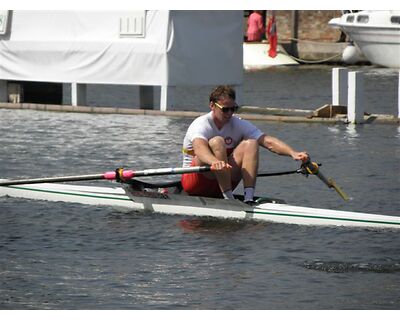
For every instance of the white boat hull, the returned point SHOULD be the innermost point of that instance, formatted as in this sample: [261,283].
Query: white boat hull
[378,39]
[198,206]
[255,56]
[381,47]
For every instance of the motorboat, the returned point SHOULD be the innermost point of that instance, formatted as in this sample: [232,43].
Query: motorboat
[375,33]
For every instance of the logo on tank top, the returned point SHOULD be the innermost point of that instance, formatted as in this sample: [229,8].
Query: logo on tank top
[228,141]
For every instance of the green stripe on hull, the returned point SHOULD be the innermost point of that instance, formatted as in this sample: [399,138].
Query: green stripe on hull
[323,217]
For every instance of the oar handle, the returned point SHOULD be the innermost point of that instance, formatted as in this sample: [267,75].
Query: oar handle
[167,171]
[124,175]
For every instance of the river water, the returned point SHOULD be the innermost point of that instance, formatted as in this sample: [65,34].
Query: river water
[71,256]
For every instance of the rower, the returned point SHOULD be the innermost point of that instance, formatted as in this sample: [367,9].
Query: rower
[230,145]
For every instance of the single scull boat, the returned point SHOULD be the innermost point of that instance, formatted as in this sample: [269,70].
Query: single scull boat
[141,198]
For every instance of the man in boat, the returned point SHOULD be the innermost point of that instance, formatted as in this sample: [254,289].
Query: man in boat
[228,144]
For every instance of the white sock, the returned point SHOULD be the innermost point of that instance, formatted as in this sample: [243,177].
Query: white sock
[228,194]
[248,194]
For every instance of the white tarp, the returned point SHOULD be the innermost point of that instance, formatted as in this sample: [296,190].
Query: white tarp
[174,47]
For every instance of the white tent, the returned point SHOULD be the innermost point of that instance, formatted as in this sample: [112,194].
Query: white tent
[145,48]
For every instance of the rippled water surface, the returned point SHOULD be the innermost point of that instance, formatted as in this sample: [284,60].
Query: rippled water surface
[71,256]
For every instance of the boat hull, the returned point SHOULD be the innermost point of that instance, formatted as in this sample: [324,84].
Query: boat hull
[198,206]
[255,57]
[378,39]
[381,47]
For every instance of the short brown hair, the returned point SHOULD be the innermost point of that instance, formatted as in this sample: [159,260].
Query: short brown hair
[222,91]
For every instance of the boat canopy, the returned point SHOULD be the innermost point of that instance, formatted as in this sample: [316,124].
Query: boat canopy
[145,47]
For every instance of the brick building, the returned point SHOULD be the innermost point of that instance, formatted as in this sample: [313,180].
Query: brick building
[306,33]
[311,24]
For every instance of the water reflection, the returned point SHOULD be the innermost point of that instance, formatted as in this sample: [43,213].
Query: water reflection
[334,130]
[351,133]
[343,267]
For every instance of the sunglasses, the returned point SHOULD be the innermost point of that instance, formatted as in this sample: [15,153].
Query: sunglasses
[227,109]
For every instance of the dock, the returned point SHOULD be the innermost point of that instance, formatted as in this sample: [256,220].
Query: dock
[321,115]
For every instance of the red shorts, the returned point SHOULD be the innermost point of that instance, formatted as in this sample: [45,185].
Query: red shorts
[197,184]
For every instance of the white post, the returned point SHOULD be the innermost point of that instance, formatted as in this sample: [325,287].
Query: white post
[146,97]
[3,91]
[339,86]
[167,97]
[355,99]
[78,94]
[398,115]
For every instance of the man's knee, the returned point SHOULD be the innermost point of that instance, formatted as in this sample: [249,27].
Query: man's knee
[247,149]
[250,144]
[216,142]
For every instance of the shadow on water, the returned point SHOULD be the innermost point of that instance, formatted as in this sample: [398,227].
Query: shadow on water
[214,225]
[346,267]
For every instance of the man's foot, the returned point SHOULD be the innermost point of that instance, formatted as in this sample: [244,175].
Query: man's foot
[251,202]
[228,195]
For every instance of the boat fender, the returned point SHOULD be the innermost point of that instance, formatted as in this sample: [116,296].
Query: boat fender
[350,54]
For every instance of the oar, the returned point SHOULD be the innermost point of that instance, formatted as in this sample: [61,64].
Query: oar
[126,175]
[281,173]
[119,175]
[313,168]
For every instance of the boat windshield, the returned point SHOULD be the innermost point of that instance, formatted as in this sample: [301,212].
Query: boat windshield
[395,19]
[363,19]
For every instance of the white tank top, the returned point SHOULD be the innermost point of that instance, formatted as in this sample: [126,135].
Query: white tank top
[204,127]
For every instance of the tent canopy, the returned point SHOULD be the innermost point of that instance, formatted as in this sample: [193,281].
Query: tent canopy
[123,47]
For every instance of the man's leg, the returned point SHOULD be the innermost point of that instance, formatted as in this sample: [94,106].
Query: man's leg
[244,162]
[217,146]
